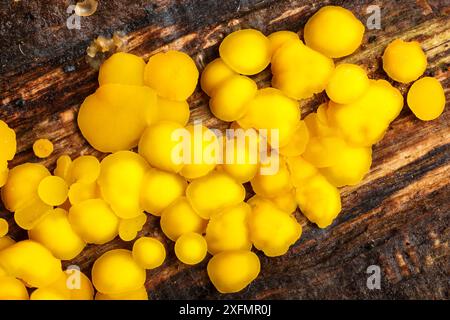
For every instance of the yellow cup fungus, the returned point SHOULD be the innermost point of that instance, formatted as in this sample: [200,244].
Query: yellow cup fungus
[334,31]
[232,271]
[214,74]
[213,193]
[246,51]
[30,262]
[279,38]
[122,68]
[116,272]
[347,84]
[62,169]
[173,74]
[149,253]
[53,190]
[94,221]
[55,232]
[299,71]
[12,289]
[129,228]
[229,100]
[426,98]
[228,230]
[160,189]
[272,230]
[404,61]
[115,116]
[191,248]
[180,218]
[42,148]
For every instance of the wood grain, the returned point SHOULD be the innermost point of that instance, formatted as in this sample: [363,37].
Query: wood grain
[397,218]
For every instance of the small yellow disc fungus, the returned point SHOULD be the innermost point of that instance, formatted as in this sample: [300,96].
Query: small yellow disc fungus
[71,285]
[116,272]
[272,230]
[334,31]
[201,153]
[426,98]
[364,122]
[43,148]
[404,61]
[241,158]
[347,83]
[149,253]
[122,68]
[279,38]
[271,109]
[299,71]
[5,242]
[4,227]
[84,169]
[232,271]
[121,177]
[115,116]
[180,218]
[176,111]
[298,142]
[12,289]
[28,216]
[246,51]
[53,190]
[139,294]
[349,166]
[63,166]
[129,228]
[31,262]
[172,74]
[8,143]
[56,234]
[214,74]
[158,145]
[319,200]
[80,192]
[228,230]
[160,189]
[94,221]
[191,248]
[272,184]
[22,185]
[229,100]
[213,193]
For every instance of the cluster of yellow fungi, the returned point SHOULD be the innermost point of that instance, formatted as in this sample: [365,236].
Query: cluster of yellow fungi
[133,116]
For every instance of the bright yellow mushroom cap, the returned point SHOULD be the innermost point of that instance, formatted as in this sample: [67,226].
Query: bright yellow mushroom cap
[334,31]
[158,145]
[191,248]
[12,289]
[426,98]
[214,74]
[149,253]
[94,221]
[404,61]
[53,190]
[279,38]
[232,271]
[229,100]
[116,272]
[213,193]
[347,83]
[115,116]
[122,68]
[228,230]
[129,228]
[43,148]
[272,230]
[55,232]
[160,189]
[8,143]
[172,74]
[246,51]
[180,218]
[31,262]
